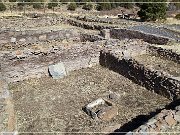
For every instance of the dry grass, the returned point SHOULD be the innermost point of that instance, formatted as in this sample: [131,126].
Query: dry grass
[56,105]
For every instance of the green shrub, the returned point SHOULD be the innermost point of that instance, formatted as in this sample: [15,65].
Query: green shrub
[104,6]
[153,11]
[38,5]
[72,6]
[52,4]
[2,6]
[88,6]
[177,16]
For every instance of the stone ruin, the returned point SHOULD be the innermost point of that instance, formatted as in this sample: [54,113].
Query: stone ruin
[58,52]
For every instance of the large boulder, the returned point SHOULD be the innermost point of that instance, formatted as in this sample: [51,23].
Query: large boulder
[57,70]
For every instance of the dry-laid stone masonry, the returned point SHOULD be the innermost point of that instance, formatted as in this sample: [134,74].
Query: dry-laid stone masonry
[131,34]
[33,62]
[162,122]
[33,36]
[164,53]
[25,22]
[126,62]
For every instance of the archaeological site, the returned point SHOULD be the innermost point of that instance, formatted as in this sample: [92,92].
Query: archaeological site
[88,72]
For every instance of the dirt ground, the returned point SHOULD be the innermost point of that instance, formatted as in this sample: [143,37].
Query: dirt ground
[159,64]
[47,105]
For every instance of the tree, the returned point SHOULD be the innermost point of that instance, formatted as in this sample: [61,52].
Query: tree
[177,4]
[153,11]
[87,6]
[72,6]
[52,4]
[2,6]
[37,5]
[104,5]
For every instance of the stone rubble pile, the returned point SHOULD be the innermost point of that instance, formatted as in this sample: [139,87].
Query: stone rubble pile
[160,123]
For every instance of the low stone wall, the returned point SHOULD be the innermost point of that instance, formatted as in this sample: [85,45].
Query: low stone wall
[165,53]
[23,22]
[162,122]
[150,78]
[90,25]
[32,36]
[120,33]
[90,37]
[127,33]
[22,65]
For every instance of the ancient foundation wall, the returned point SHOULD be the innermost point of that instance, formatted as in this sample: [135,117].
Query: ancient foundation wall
[89,25]
[90,37]
[35,63]
[130,34]
[165,53]
[32,36]
[160,122]
[150,78]
[11,23]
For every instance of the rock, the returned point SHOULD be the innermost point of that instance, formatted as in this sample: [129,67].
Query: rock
[152,130]
[42,37]
[108,113]
[13,40]
[178,108]
[151,121]
[160,115]
[170,121]
[177,118]
[57,71]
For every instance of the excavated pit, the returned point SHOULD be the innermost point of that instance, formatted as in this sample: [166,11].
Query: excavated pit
[44,105]
[47,105]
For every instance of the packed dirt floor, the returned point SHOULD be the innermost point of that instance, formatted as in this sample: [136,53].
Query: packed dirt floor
[48,105]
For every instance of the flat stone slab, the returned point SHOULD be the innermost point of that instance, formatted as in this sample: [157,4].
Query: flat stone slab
[101,108]
[57,71]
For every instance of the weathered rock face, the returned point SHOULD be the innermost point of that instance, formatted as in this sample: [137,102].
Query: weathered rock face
[57,71]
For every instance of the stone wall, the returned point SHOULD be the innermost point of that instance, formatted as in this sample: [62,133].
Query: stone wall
[7,115]
[150,78]
[165,53]
[162,122]
[90,37]
[120,33]
[19,23]
[90,25]
[32,36]
[22,65]
[127,33]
